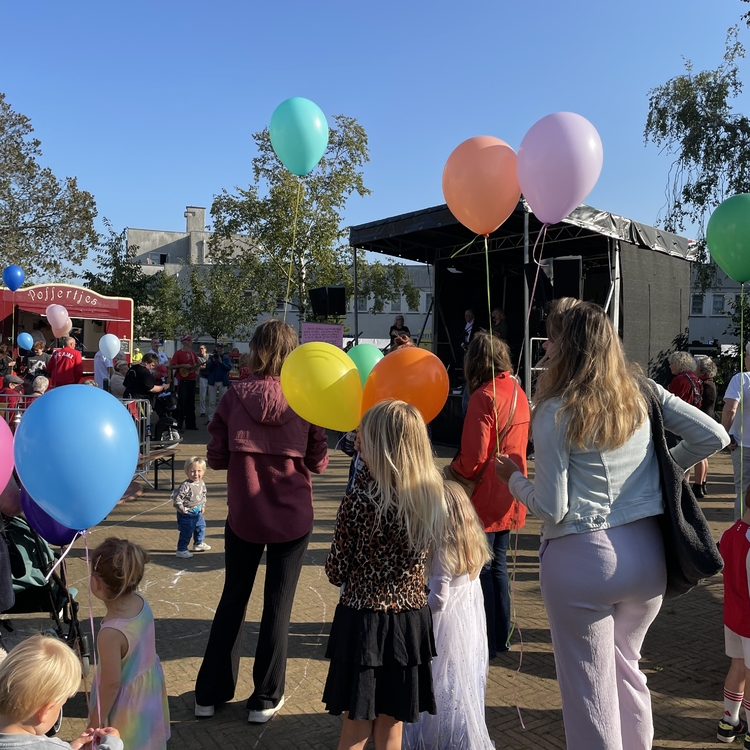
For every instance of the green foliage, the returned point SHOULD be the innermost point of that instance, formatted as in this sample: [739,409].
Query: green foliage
[46,225]
[118,274]
[220,300]
[691,116]
[280,212]
[167,300]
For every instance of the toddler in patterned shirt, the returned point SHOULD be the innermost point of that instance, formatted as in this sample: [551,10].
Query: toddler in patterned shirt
[189,500]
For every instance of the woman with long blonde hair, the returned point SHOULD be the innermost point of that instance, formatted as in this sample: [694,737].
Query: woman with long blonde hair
[597,489]
[394,513]
[459,671]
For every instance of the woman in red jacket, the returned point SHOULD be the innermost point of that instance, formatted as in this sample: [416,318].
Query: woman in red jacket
[490,411]
[268,452]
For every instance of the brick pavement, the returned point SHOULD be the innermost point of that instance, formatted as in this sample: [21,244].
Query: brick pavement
[683,655]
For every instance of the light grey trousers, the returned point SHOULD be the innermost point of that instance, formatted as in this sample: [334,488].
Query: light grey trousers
[602,590]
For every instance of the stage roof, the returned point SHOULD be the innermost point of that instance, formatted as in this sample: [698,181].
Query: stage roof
[433,233]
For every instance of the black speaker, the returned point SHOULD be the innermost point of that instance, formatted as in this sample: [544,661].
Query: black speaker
[328,300]
[543,290]
[567,277]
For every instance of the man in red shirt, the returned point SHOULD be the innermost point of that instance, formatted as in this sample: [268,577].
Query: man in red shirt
[66,365]
[186,363]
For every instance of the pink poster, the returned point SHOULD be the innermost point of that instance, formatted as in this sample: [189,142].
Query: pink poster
[330,334]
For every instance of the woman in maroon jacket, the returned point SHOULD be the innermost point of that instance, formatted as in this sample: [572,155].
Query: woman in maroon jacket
[268,452]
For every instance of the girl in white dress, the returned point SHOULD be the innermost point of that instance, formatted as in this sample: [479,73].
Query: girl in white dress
[459,672]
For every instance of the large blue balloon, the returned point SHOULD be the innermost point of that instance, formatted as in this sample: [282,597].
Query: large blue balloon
[299,134]
[44,525]
[13,277]
[76,449]
[25,341]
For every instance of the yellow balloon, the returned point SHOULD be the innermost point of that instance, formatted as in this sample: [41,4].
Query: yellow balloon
[323,386]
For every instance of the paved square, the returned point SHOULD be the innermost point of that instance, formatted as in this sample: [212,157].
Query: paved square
[683,655]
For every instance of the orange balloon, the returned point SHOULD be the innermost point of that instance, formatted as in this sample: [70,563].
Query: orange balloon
[412,375]
[480,183]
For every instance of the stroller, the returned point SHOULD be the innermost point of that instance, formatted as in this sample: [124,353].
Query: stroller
[165,431]
[30,559]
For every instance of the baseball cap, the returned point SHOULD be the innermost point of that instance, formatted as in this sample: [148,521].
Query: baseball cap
[8,379]
[186,337]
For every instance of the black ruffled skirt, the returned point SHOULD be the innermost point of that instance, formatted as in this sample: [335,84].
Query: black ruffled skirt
[380,664]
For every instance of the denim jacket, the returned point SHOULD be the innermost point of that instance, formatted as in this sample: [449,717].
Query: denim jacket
[577,490]
[218,370]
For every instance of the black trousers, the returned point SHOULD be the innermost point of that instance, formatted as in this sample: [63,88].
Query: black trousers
[186,404]
[217,677]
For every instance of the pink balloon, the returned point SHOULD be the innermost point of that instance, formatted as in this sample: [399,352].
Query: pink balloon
[559,162]
[57,315]
[6,453]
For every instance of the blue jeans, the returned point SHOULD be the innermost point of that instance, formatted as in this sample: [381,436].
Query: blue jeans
[190,525]
[495,587]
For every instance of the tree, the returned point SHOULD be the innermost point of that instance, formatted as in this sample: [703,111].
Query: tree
[157,299]
[219,300]
[691,116]
[46,225]
[296,224]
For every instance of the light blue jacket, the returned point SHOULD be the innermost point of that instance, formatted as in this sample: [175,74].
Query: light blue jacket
[578,490]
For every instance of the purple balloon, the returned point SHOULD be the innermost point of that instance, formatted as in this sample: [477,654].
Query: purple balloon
[559,162]
[44,525]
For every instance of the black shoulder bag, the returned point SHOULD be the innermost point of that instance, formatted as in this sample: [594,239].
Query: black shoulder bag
[689,547]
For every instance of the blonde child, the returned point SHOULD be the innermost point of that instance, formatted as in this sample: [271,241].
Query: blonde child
[189,500]
[36,678]
[459,672]
[381,641]
[130,678]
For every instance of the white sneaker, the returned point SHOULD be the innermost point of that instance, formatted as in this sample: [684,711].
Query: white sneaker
[204,712]
[183,553]
[202,547]
[265,714]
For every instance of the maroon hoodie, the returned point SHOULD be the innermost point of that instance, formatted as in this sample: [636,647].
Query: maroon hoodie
[268,452]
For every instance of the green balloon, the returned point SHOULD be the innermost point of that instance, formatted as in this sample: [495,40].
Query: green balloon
[365,356]
[728,237]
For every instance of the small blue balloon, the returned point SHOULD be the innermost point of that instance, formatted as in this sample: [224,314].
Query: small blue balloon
[25,341]
[299,134]
[13,277]
[76,449]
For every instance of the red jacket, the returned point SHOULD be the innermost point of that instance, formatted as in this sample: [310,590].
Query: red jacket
[688,387]
[65,367]
[495,506]
[268,452]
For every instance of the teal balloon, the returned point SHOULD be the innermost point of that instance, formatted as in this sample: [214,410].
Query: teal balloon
[728,237]
[365,356]
[299,134]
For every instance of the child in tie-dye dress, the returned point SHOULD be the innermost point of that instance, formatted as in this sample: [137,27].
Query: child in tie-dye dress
[130,681]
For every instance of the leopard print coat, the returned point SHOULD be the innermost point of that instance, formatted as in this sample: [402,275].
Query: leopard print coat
[371,558]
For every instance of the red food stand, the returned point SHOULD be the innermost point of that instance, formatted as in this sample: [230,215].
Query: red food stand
[92,316]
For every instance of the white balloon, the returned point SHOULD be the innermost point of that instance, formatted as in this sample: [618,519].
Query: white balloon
[109,345]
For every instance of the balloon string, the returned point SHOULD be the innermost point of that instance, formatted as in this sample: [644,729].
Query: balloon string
[291,254]
[492,345]
[95,684]
[62,557]
[514,622]
[542,234]
[468,244]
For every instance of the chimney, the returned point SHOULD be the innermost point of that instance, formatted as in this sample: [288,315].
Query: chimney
[196,219]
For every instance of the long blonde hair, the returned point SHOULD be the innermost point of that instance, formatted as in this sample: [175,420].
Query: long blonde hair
[464,548]
[588,372]
[398,453]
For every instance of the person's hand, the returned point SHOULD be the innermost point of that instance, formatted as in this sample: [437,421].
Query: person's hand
[504,468]
[107,730]
[203,508]
[732,443]
[84,741]
[357,442]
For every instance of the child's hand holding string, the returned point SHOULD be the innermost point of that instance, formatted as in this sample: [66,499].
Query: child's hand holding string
[505,467]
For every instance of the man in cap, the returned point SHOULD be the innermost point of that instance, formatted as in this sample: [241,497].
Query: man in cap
[187,364]
[10,396]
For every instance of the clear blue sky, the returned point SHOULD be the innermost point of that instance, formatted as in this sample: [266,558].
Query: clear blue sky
[152,104]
